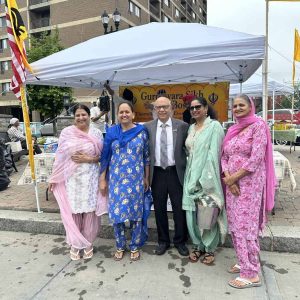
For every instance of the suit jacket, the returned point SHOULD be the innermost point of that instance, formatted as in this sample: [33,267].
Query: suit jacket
[180,130]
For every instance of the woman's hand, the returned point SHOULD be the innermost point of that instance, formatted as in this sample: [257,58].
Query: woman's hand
[80,157]
[229,180]
[146,184]
[51,186]
[234,189]
[103,187]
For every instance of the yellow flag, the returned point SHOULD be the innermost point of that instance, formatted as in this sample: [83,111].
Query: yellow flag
[296,52]
[19,29]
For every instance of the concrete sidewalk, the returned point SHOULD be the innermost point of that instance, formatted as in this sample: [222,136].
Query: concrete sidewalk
[17,206]
[37,266]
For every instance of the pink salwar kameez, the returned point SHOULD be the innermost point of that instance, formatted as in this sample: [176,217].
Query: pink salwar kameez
[76,186]
[246,212]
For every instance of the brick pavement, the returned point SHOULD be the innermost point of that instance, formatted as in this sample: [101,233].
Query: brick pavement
[22,197]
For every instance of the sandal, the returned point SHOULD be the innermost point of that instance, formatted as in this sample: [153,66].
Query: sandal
[208,258]
[74,255]
[234,269]
[135,255]
[119,254]
[195,255]
[246,283]
[88,254]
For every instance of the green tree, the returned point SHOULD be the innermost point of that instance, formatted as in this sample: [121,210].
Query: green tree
[48,100]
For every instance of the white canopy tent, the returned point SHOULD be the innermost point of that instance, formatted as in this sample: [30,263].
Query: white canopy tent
[154,53]
[255,89]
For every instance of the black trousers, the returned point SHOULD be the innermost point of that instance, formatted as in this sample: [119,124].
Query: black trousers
[36,148]
[164,183]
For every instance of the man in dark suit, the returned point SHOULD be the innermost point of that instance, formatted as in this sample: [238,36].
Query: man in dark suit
[168,160]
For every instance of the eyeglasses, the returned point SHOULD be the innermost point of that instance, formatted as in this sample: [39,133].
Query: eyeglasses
[164,107]
[196,107]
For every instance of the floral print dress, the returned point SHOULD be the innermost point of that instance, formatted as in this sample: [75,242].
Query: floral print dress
[126,179]
[246,151]
[83,186]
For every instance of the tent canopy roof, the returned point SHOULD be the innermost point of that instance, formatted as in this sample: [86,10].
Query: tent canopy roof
[255,89]
[154,53]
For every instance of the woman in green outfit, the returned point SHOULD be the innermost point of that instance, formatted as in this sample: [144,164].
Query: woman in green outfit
[202,181]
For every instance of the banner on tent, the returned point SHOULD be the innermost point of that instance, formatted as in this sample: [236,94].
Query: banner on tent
[216,94]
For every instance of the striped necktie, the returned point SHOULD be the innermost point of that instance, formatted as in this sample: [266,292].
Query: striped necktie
[163,146]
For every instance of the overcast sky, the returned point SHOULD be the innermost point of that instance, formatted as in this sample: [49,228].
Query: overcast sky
[249,16]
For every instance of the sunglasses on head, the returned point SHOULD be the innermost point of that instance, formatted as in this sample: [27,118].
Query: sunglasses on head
[196,107]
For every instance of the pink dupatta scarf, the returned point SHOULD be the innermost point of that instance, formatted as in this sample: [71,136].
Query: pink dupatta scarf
[269,191]
[73,140]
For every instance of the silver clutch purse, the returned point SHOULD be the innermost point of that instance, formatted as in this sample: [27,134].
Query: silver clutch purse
[206,216]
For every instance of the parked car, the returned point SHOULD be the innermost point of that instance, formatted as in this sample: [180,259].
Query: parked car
[283,115]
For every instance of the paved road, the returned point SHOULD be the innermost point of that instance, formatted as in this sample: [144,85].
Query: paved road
[38,267]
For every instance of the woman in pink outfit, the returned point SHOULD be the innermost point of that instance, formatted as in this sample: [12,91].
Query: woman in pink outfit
[247,164]
[74,182]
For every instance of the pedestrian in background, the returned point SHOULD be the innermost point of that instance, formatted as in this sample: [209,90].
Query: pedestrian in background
[16,135]
[249,176]
[125,177]
[202,181]
[168,159]
[98,117]
[75,182]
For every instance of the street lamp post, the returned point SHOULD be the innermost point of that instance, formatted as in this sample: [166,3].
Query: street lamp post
[116,16]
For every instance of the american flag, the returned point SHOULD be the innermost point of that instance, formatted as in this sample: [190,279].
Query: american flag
[16,32]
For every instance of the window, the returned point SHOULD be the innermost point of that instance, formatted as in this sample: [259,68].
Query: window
[176,13]
[2,22]
[3,44]
[167,2]
[4,66]
[131,7]
[137,11]
[200,10]
[194,1]
[134,9]
[5,88]
[193,15]
[166,19]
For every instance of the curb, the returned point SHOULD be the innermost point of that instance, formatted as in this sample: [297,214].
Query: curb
[275,238]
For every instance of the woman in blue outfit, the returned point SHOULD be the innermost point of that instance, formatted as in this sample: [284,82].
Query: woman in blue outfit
[125,174]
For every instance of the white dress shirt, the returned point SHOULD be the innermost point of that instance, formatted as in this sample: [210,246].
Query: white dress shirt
[171,160]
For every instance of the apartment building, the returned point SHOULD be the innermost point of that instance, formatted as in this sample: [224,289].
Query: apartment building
[80,20]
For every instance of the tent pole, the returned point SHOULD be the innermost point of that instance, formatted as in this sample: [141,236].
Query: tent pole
[241,87]
[29,140]
[265,68]
[37,197]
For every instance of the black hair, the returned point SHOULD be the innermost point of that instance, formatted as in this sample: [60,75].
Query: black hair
[81,106]
[244,97]
[210,111]
[126,102]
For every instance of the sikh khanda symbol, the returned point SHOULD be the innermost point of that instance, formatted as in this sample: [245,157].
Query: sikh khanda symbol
[213,98]
[18,24]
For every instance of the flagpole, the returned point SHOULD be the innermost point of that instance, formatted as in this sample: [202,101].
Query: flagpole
[265,68]
[29,143]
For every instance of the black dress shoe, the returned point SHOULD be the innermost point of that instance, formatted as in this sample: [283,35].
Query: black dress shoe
[182,250]
[161,249]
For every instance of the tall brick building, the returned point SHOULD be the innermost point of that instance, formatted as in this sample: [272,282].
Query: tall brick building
[78,21]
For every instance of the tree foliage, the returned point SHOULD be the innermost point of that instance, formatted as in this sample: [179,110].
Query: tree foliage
[48,100]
